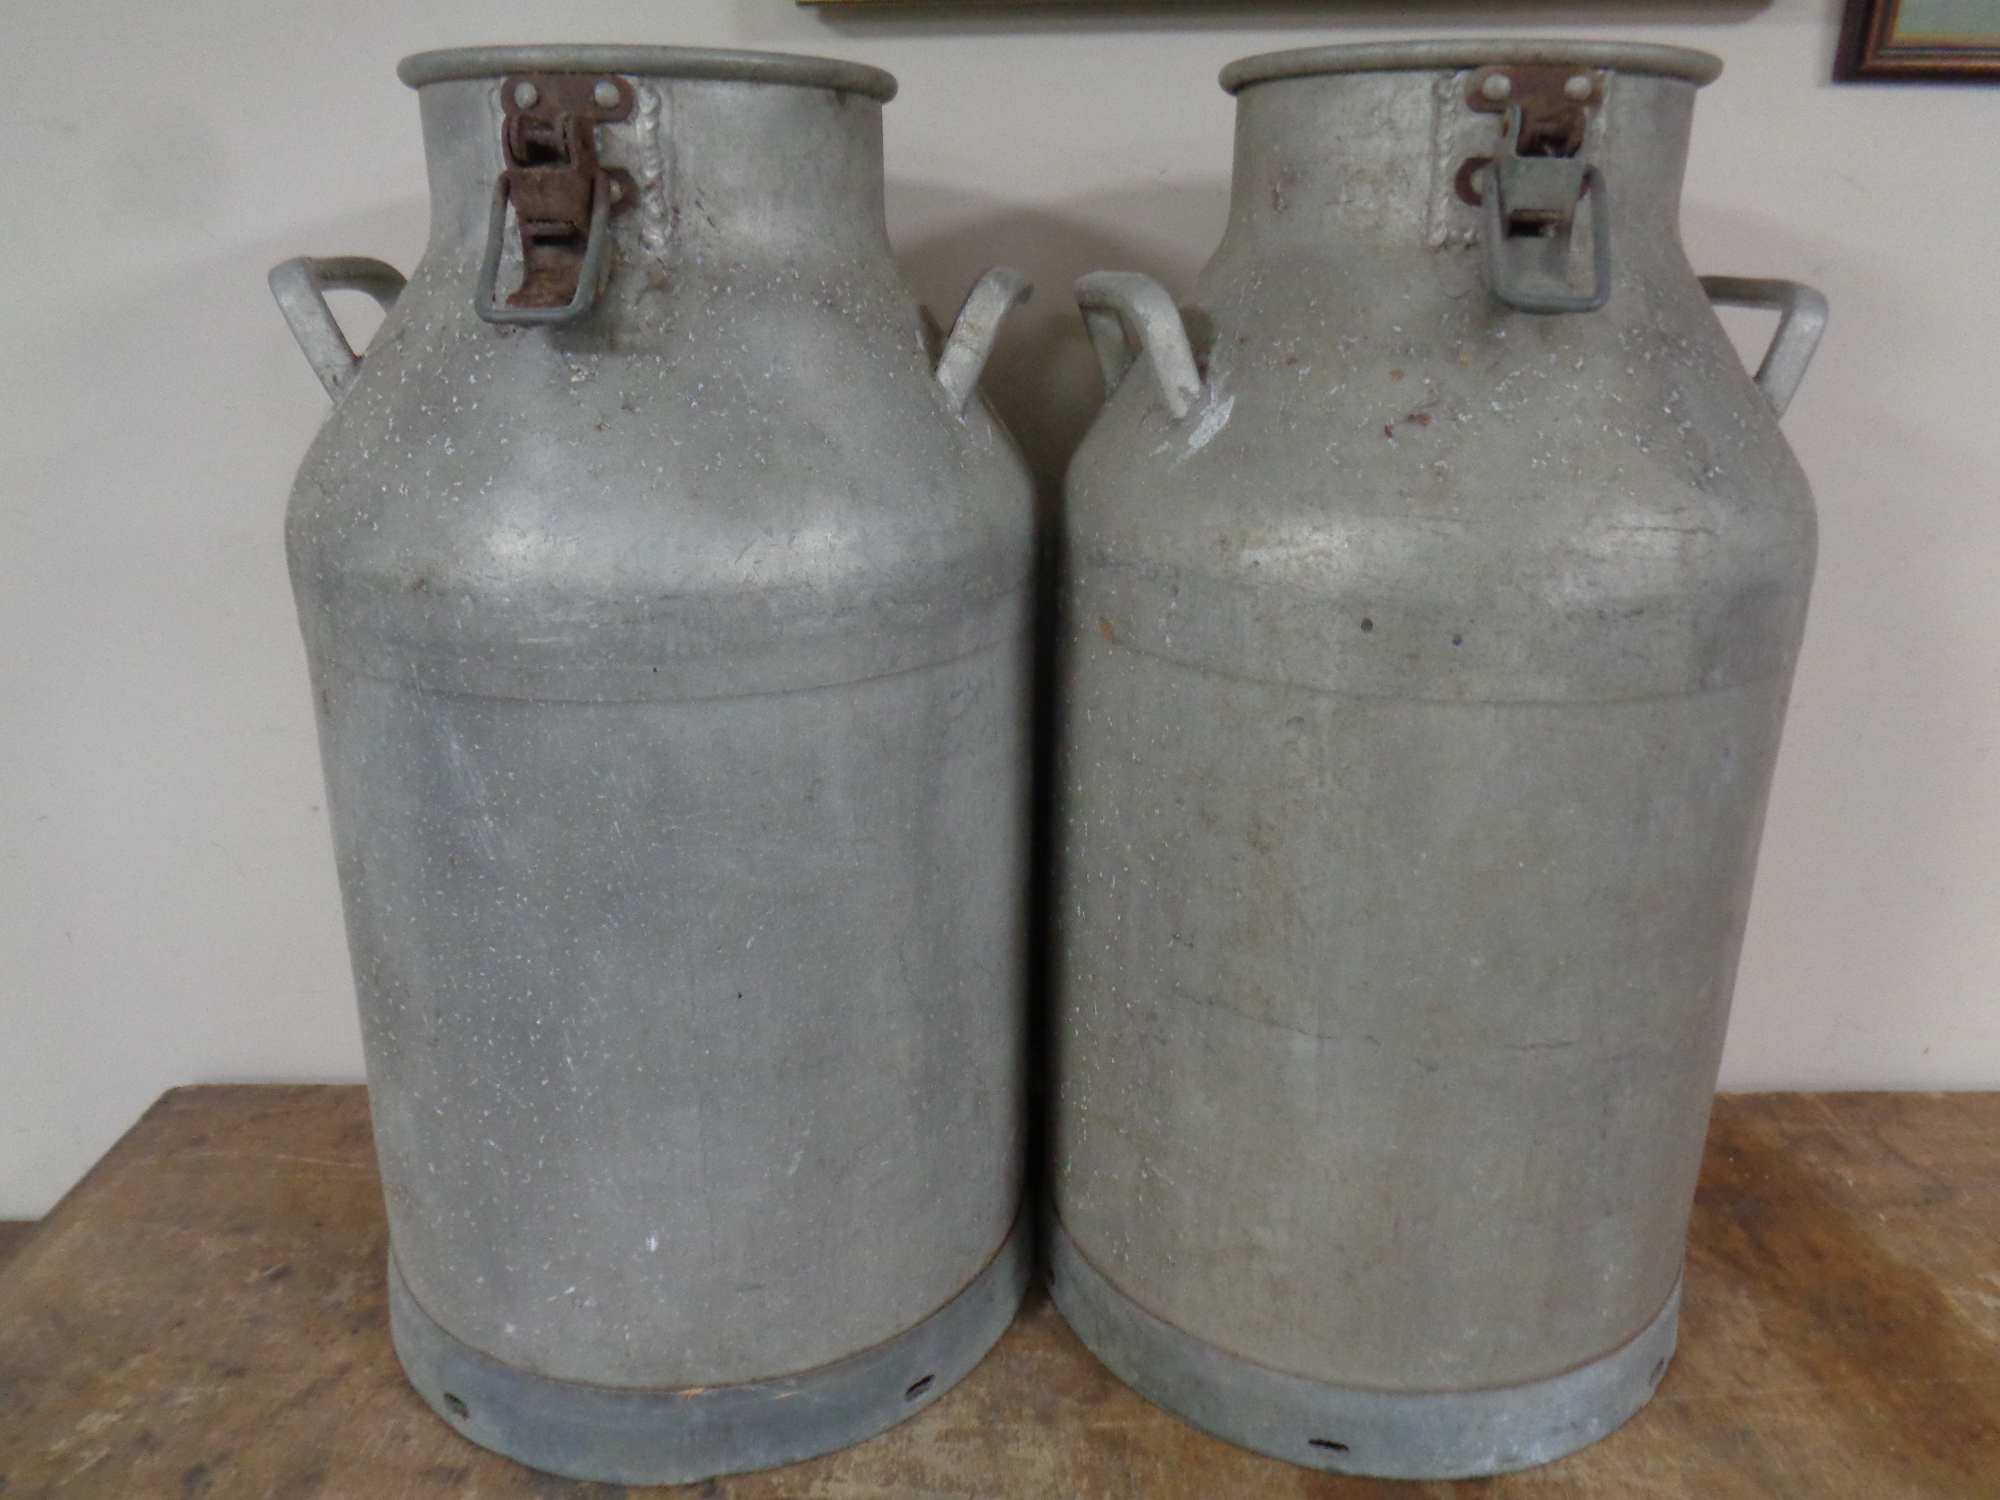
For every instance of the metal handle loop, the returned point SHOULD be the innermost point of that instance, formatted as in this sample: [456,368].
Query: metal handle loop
[1801,320]
[975,329]
[590,276]
[1110,300]
[1522,298]
[300,286]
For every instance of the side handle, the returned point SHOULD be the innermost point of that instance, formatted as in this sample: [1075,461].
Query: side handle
[986,307]
[1801,320]
[1117,304]
[301,286]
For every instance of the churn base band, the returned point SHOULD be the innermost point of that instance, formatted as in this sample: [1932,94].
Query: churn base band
[1348,1429]
[626,1436]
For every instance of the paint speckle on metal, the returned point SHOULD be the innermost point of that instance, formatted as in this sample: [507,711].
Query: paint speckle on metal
[1214,417]
[671,673]
[1406,822]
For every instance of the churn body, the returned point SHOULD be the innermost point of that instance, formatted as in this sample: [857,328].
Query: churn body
[1423,665]
[670,660]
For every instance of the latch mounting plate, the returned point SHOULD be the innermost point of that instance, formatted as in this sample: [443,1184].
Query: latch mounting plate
[549,138]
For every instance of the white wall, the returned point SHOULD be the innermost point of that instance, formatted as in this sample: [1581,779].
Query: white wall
[167,904]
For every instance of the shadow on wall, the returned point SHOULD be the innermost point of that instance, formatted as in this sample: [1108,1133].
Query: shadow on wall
[1043,379]
[1858,840]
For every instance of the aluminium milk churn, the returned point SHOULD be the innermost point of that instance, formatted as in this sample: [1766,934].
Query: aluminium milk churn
[666,591]
[1432,590]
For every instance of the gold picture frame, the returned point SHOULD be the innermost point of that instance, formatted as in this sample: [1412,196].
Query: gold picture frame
[1919,41]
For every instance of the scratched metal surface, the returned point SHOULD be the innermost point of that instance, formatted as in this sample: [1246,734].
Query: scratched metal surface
[204,1316]
[670,669]
[1420,686]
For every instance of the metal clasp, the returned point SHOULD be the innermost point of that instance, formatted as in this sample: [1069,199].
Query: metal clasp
[563,197]
[1531,190]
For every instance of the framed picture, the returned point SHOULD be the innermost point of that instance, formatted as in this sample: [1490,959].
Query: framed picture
[1919,41]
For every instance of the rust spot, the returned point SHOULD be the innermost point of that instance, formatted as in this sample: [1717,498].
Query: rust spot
[1105,626]
[1552,123]
[1463,185]
[553,177]
[1389,430]
[1421,418]
[1395,374]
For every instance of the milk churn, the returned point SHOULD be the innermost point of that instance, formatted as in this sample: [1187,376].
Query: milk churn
[666,590]
[1432,589]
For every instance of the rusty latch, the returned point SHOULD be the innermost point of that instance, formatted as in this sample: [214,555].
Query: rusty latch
[1554,102]
[562,195]
[1555,105]
[1531,190]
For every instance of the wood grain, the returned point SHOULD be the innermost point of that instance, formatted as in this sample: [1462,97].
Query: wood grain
[13,1235]
[203,1316]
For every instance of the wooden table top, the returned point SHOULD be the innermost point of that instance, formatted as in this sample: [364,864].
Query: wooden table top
[204,1316]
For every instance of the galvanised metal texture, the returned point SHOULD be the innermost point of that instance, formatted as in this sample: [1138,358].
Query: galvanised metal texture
[1395,1434]
[1423,667]
[674,1436]
[670,664]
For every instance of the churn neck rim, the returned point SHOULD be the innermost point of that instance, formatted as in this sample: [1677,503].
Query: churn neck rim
[653,62]
[1697,68]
